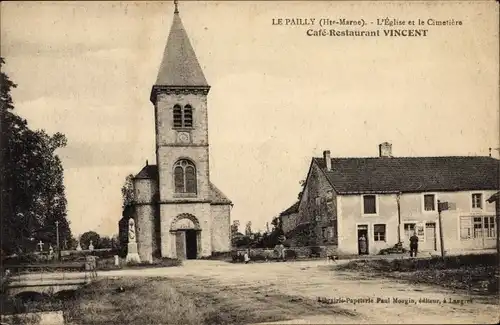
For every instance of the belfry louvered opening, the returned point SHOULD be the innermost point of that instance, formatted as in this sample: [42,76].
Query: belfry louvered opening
[183,116]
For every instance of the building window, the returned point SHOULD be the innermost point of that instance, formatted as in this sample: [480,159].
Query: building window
[409,229]
[477,227]
[184,177]
[489,227]
[379,232]
[369,204]
[429,202]
[477,201]
[183,117]
[465,227]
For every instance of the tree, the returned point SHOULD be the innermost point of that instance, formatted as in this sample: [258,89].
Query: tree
[248,229]
[128,191]
[87,237]
[32,193]
[234,227]
[106,242]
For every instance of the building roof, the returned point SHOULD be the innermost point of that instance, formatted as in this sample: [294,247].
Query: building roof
[217,197]
[148,172]
[494,198]
[411,174]
[293,209]
[179,66]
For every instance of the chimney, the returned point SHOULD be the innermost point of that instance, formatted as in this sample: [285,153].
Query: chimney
[147,163]
[385,150]
[328,160]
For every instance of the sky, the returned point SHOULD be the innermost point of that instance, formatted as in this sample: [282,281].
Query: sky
[278,96]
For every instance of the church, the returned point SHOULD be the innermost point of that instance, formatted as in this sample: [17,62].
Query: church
[179,213]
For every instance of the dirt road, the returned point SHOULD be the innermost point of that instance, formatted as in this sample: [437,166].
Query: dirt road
[369,300]
[293,289]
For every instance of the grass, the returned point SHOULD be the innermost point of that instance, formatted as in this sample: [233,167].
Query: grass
[163,301]
[132,301]
[160,301]
[478,273]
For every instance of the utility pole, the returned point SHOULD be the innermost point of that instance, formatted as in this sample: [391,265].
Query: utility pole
[57,239]
[441,206]
[398,200]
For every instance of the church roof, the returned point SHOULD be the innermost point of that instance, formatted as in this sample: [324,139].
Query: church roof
[217,196]
[148,172]
[291,210]
[179,66]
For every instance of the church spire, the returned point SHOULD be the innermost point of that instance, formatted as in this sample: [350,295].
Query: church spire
[179,66]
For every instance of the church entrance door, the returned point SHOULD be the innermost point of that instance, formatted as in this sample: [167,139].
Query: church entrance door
[187,231]
[180,247]
[191,244]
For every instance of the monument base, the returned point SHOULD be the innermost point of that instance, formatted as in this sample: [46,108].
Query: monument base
[132,255]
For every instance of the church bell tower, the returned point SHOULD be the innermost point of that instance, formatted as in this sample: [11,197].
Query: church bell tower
[179,96]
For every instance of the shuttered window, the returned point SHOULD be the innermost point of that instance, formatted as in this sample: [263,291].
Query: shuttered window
[429,202]
[177,116]
[183,116]
[369,204]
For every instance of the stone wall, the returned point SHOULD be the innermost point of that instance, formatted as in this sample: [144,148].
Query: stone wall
[168,212]
[318,208]
[221,228]
[166,134]
[145,217]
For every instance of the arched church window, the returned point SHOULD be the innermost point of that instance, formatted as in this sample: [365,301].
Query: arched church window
[183,116]
[177,116]
[188,116]
[185,176]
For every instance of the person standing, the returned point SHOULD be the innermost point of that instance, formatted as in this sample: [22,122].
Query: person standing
[362,245]
[413,245]
[246,257]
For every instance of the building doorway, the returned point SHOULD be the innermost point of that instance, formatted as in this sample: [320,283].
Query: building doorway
[191,244]
[430,236]
[363,240]
[187,231]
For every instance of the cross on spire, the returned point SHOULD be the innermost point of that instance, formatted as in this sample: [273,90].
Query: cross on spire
[176,4]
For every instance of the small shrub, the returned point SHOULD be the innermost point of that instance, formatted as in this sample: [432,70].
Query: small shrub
[290,254]
[315,251]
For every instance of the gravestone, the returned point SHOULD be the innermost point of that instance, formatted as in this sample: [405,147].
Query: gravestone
[79,247]
[51,252]
[91,246]
[132,255]
[40,244]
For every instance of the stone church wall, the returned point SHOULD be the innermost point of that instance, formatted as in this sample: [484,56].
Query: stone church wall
[199,210]
[145,213]
[167,158]
[164,122]
[221,228]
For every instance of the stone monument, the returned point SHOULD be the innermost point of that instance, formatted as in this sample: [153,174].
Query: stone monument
[91,246]
[51,252]
[79,247]
[132,255]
